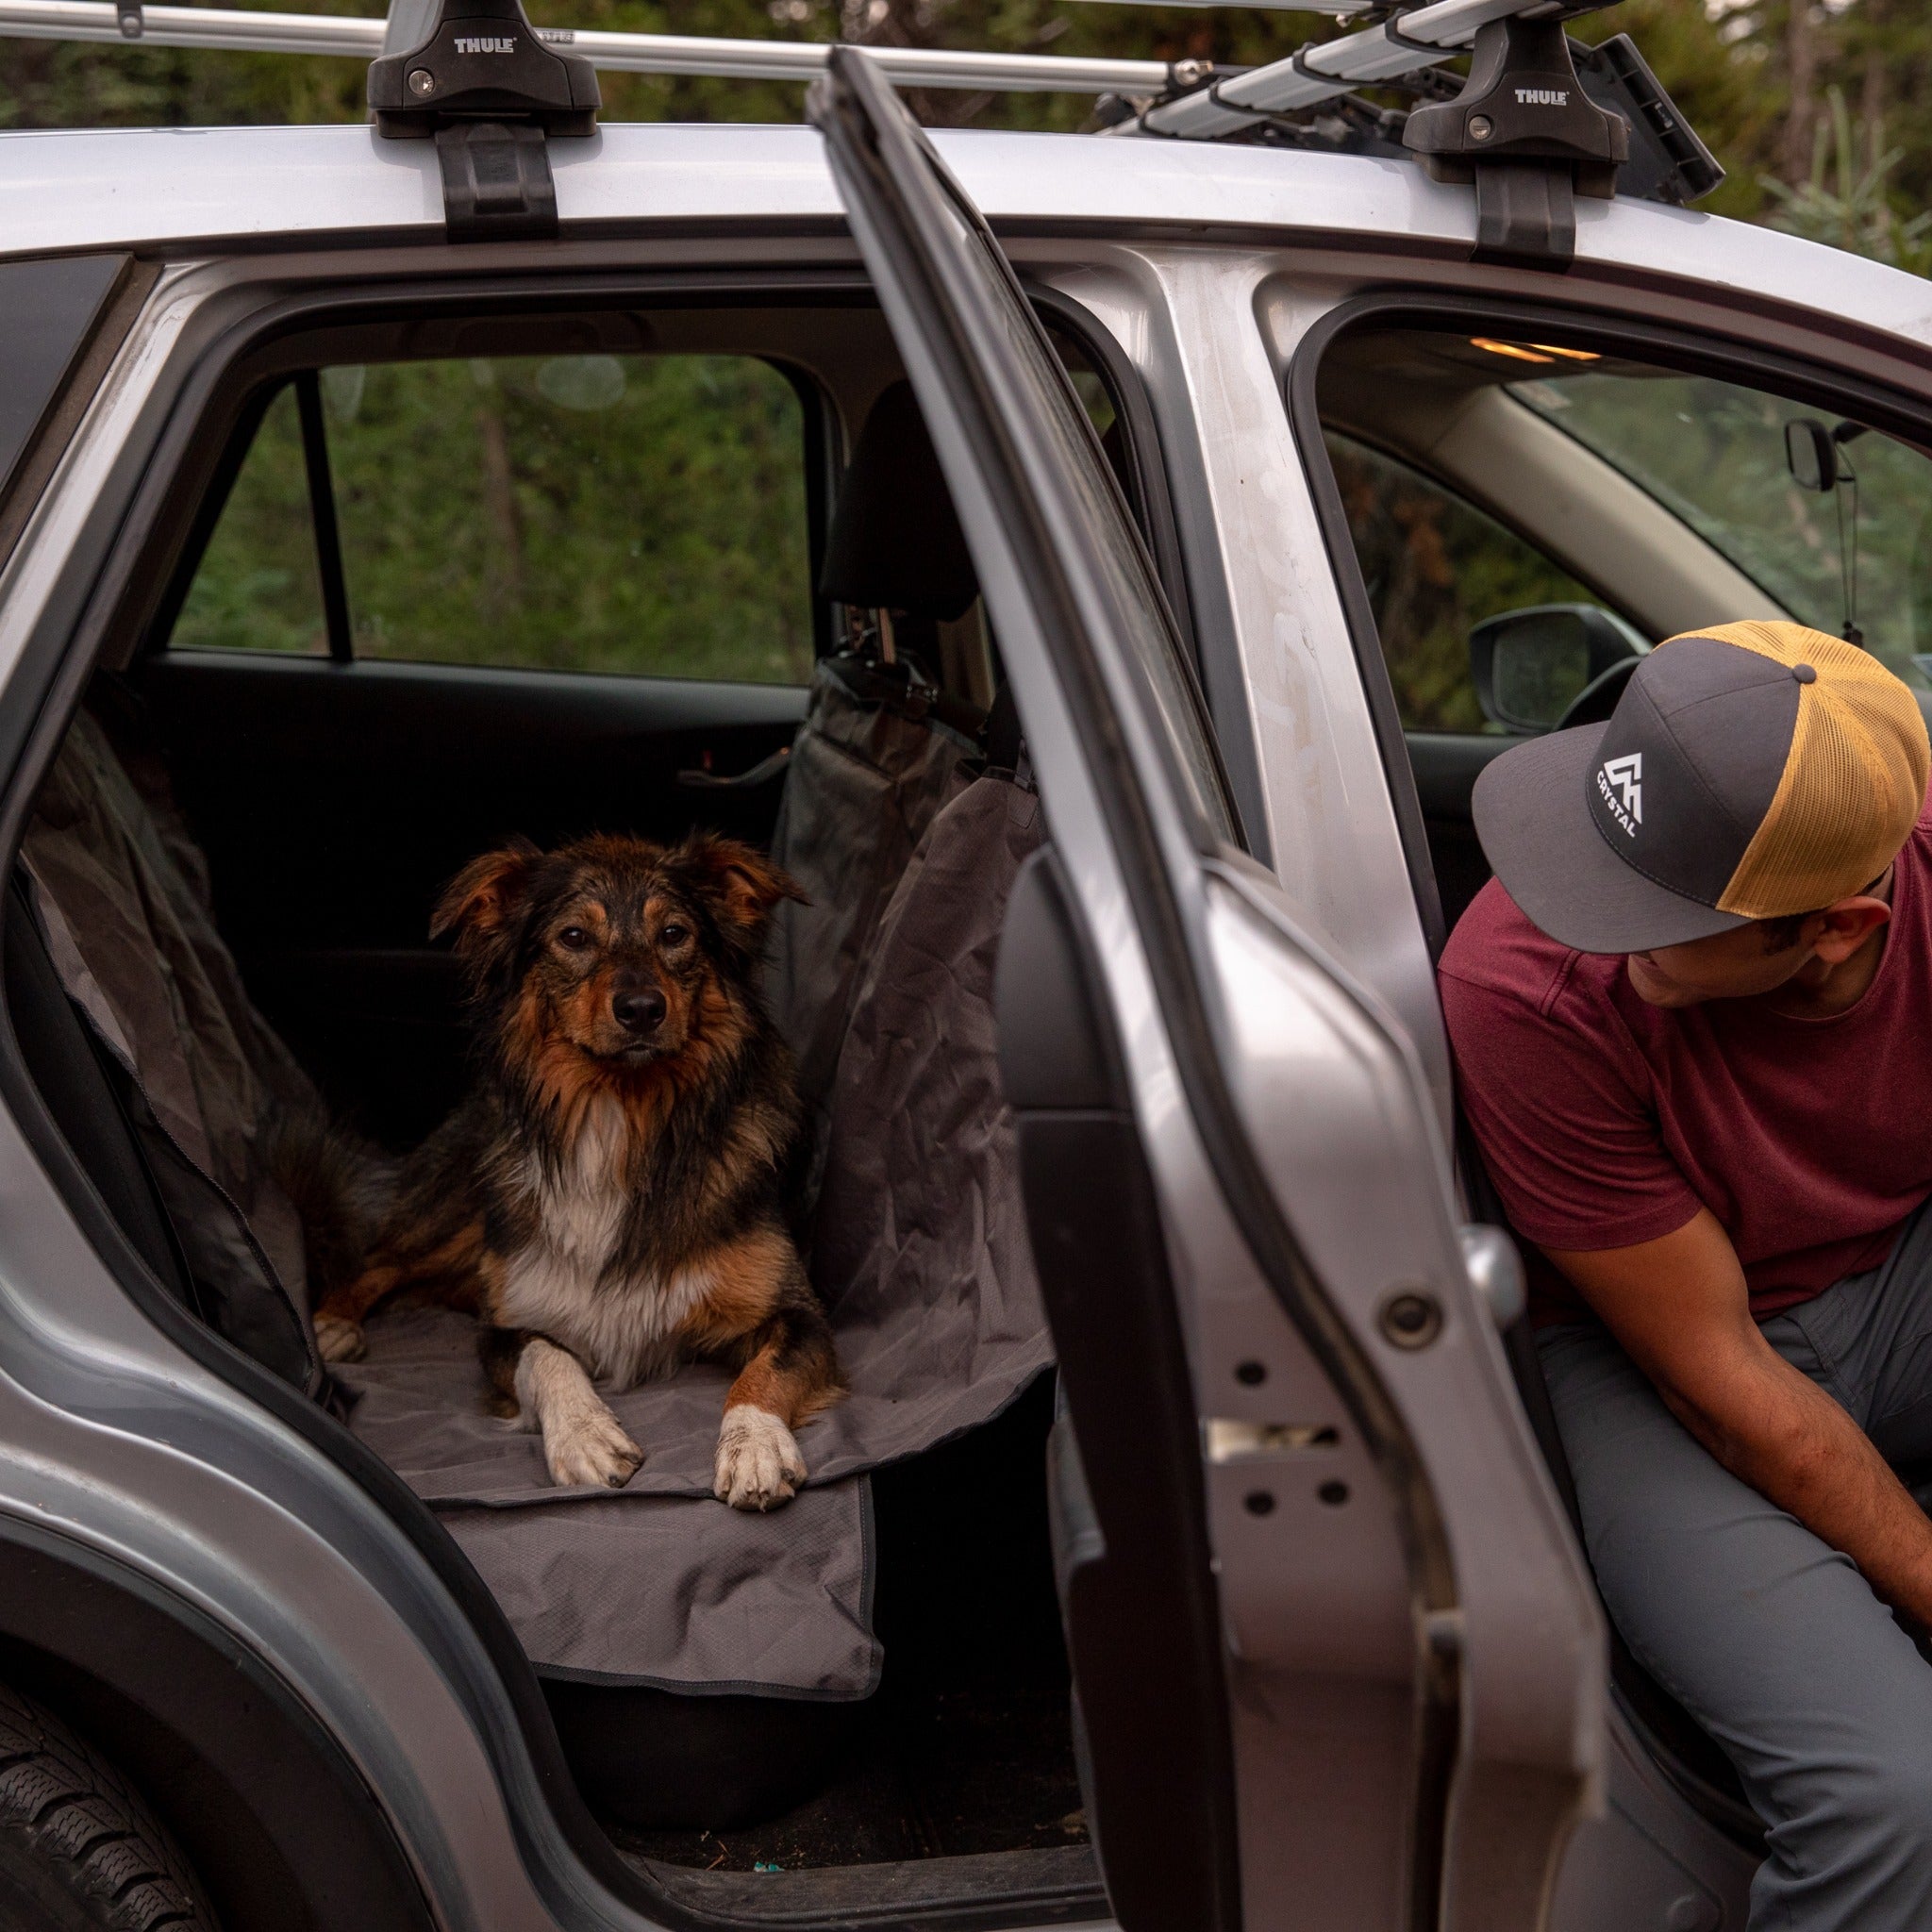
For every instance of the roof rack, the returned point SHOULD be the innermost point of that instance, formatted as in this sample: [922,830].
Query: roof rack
[1540,118]
[361,37]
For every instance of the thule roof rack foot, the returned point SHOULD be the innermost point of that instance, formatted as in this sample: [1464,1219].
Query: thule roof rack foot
[490,92]
[1528,135]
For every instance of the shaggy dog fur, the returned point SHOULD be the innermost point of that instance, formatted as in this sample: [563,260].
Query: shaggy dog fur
[610,1198]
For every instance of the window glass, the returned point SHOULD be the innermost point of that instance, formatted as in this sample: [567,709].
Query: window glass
[1435,566]
[258,587]
[640,514]
[1715,454]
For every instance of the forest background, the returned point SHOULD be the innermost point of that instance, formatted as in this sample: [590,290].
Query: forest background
[1821,111]
[587,516]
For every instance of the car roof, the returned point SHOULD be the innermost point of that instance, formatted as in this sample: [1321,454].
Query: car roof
[186,189]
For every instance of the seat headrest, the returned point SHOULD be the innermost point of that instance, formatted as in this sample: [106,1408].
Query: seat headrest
[895,544]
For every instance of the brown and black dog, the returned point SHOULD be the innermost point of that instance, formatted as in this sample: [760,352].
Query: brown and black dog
[611,1197]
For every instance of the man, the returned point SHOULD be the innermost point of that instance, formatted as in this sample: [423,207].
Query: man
[1693,1023]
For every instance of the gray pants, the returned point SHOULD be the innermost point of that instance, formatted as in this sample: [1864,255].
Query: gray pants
[1772,1640]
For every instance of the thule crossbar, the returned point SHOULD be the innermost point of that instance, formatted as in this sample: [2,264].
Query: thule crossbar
[362,39]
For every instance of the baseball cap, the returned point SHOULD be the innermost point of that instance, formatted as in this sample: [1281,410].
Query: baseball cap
[1749,771]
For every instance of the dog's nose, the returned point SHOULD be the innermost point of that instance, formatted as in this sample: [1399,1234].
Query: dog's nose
[639,1012]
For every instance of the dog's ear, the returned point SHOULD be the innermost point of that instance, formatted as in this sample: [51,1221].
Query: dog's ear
[483,900]
[738,882]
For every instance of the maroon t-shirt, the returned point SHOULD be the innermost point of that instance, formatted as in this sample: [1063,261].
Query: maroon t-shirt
[1604,1122]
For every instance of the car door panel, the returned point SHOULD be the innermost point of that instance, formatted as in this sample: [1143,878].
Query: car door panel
[1412,1677]
[335,801]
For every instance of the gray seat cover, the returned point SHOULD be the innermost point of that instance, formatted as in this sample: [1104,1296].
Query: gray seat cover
[920,1249]
[864,783]
[122,897]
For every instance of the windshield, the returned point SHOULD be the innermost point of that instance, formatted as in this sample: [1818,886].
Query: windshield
[1716,455]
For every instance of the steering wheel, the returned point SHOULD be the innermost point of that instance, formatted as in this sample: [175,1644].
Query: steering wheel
[1594,702]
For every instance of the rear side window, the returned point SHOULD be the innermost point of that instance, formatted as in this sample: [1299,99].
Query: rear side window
[635,514]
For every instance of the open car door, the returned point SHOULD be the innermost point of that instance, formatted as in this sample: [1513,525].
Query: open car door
[1336,1655]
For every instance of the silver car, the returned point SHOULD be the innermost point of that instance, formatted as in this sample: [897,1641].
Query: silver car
[1289,506]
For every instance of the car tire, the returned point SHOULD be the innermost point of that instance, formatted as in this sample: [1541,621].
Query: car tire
[79,1851]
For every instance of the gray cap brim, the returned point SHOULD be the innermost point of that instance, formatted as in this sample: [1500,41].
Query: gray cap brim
[1532,815]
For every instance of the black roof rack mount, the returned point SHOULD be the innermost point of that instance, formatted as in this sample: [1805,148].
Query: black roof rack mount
[1528,134]
[484,86]
[473,75]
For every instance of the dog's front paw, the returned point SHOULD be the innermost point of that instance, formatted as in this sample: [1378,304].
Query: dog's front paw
[591,1448]
[759,1464]
[339,1340]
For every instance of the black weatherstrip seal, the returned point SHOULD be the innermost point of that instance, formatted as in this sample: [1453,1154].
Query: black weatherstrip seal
[1200,607]
[1695,354]
[1170,948]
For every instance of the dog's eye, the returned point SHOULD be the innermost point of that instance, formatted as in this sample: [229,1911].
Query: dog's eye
[673,935]
[575,937]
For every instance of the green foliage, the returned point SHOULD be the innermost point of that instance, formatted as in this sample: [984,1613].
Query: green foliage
[1848,205]
[258,587]
[1435,567]
[1715,455]
[636,513]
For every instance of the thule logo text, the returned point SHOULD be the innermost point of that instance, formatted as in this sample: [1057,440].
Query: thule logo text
[1542,96]
[470,43]
[1626,776]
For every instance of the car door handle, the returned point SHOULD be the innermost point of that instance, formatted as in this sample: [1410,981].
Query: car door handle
[760,774]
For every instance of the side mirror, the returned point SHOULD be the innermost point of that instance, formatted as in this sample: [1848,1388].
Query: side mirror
[1811,455]
[1536,670]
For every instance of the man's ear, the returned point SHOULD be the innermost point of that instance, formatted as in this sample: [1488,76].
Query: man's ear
[484,899]
[1847,926]
[738,882]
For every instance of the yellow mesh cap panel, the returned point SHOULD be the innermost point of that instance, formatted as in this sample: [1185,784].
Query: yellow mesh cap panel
[1854,783]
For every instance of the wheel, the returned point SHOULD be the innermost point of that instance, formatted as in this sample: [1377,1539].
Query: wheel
[79,1851]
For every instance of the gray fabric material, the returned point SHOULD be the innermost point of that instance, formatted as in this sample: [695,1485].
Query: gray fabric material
[1772,1640]
[864,784]
[922,1254]
[921,1202]
[692,1597]
[938,1318]
[122,897]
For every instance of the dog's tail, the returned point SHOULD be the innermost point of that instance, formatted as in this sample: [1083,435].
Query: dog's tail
[340,1186]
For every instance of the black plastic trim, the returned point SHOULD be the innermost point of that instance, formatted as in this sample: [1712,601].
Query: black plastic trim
[1137,1588]
[322,513]
[1201,612]
[57,421]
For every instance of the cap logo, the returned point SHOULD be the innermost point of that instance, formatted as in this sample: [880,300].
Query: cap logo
[1624,777]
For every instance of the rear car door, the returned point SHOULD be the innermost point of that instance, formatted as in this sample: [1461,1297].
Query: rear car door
[1336,1655]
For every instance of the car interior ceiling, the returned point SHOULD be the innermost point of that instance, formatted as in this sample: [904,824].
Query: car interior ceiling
[331,801]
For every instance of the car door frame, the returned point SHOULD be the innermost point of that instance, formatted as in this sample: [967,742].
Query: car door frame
[1143,879]
[1697,351]
[1693,1768]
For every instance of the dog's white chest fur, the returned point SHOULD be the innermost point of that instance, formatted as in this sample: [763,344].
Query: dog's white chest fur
[624,1327]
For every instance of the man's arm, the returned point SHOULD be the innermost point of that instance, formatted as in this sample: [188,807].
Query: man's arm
[1679,1307]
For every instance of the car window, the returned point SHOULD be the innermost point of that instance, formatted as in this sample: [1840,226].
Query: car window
[258,587]
[640,514]
[1715,454]
[1435,566]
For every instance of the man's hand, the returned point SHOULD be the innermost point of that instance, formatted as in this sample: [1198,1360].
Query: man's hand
[1680,1309]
